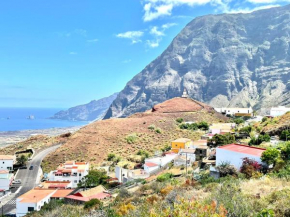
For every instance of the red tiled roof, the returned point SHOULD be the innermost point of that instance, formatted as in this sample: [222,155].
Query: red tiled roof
[62,193]
[6,157]
[99,196]
[149,164]
[243,149]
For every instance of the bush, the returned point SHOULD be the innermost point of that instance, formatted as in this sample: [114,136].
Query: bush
[218,140]
[21,160]
[203,125]
[143,153]
[285,135]
[192,126]
[151,127]
[238,121]
[164,177]
[270,156]
[158,130]
[226,169]
[131,139]
[264,119]
[285,151]
[93,203]
[261,138]
[179,120]
[250,167]
[247,129]
[111,157]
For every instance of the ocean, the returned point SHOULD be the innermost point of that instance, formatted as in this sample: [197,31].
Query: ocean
[16,119]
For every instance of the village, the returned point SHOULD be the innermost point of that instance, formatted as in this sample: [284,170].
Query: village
[75,182]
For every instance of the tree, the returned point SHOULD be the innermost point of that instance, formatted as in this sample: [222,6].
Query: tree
[179,120]
[218,140]
[21,160]
[261,138]
[285,135]
[238,121]
[270,156]
[285,151]
[94,178]
[203,125]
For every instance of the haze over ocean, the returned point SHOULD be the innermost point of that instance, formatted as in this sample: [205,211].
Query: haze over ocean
[15,119]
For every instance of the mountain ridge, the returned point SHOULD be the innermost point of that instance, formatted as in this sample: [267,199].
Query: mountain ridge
[94,110]
[223,60]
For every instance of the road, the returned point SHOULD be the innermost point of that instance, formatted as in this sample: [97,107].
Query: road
[28,178]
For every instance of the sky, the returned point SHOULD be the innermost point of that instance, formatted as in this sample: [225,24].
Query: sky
[59,54]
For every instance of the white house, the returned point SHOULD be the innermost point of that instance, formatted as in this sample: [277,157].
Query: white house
[234,154]
[278,111]
[6,179]
[70,171]
[124,175]
[154,163]
[7,161]
[234,111]
[33,200]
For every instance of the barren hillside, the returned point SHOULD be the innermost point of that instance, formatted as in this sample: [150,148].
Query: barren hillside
[151,130]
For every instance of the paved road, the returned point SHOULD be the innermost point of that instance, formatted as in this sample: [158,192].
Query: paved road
[28,177]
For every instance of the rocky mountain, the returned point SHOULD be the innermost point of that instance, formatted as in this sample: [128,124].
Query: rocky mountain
[94,110]
[223,60]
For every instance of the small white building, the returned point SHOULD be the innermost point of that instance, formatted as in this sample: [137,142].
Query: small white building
[70,171]
[124,175]
[6,179]
[7,161]
[234,111]
[155,163]
[278,111]
[234,154]
[32,200]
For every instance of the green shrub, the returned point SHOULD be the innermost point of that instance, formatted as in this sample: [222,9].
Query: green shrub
[158,130]
[164,177]
[179,120]
[203,125]
[143,153]
[92,204]
[270,156]
[111,157]
[131,139]
[225,169]
[238,121]
[218,140]
[151,127]
[264,119]
[261,138]
[285,135]
[285,151]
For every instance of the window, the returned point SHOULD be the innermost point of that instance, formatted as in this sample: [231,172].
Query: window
[30,209]
[3,162]
[75,181]
[80,174]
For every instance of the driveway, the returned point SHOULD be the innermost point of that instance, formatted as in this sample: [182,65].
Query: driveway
[28,178]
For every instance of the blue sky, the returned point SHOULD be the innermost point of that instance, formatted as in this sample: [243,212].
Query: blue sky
[65,53]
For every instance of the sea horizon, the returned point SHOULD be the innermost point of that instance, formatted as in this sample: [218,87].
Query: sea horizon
[19,119]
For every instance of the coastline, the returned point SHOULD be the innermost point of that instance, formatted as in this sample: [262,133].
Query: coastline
[8,138]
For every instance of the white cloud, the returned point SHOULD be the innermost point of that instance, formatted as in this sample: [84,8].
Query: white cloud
[154,31]
[93,40]
[73,53]
[134,36]
[158,8]
[153,11]
[248,10]
[168,25]
[153,43]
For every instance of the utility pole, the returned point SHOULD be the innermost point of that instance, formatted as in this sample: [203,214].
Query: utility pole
[186,164]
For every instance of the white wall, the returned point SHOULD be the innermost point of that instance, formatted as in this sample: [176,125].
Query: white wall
[6,164]
[150,169]
[232,111]
[22,208]
[278,111]
[233,158]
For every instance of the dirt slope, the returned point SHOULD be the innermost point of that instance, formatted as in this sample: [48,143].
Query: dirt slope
[94,142]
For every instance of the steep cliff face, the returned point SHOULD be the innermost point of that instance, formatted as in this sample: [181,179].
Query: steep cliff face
[94,110]
[224,60]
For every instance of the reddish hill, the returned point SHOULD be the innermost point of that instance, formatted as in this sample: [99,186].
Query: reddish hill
[94,142]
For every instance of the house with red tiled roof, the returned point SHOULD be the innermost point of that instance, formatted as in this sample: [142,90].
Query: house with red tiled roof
[98,192]
[234,154]
[70,171]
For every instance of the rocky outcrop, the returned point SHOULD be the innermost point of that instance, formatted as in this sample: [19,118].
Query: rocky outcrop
[94,110]
[224,60]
